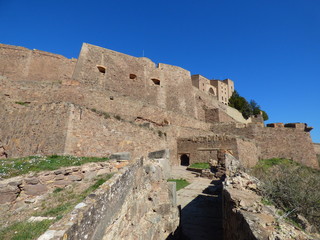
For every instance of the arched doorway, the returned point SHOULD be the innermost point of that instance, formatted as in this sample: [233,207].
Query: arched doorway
[211,91]
[184,160]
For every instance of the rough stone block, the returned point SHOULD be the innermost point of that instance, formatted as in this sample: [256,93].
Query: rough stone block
[35,190]
[121,156]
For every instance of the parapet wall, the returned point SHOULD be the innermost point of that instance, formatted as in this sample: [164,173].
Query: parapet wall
[274,142]
[136,203]
[19,63]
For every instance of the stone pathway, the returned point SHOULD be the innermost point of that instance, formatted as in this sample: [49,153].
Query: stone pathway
[201,215]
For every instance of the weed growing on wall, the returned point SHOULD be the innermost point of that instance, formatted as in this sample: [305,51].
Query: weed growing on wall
[292,187]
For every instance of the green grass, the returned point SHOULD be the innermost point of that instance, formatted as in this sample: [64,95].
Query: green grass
[181,183]
[200,165]
[23,103]
[18,166]
[25,230]
[68,200]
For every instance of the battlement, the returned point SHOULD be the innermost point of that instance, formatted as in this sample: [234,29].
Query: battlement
[298,126]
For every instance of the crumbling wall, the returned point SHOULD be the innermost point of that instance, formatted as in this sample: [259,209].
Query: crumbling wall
[203,149]
[19,63]
[136,203]
[245,217]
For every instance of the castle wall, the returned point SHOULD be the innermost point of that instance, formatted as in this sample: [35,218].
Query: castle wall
[27,130]
[203,149]
[164,85]
[136,203]
[317,148]
[18,63]
[95,134]
[279,142]
[286,143]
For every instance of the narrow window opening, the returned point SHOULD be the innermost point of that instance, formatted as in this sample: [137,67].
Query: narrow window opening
[184,160]
[132,76]
[155,81]
[101,69]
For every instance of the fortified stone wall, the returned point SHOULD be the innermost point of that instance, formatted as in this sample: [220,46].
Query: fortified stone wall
[27,130]
[96,134]
[19,63]
[280,142]
[317,148]
[136,203]
[166,86]
[203,149]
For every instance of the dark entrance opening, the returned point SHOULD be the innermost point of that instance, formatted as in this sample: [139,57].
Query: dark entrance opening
[184,160]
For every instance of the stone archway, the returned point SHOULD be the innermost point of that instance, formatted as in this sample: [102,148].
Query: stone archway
[184,160]
[211,91]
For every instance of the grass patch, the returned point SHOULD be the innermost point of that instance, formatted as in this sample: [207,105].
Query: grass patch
[181,183]
[18,166]
[25,230]
[64,201]
[22,103]
[200,165]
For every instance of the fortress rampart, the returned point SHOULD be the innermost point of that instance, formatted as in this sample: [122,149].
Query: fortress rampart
[108,102]
[19,63]
[275,142]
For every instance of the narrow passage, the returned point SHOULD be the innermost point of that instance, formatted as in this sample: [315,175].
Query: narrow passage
[201,204]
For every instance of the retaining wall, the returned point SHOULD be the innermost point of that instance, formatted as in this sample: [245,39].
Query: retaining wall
[136,203]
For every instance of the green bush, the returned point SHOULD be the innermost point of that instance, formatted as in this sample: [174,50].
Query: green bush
[292,187]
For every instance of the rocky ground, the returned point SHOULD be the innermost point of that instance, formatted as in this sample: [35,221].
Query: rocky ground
[50,193]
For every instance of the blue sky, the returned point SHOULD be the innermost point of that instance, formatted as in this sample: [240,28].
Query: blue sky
[270,48]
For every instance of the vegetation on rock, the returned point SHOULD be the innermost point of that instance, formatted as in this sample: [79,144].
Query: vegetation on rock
[60,202]
[246,108]
[18,166]
[293,188]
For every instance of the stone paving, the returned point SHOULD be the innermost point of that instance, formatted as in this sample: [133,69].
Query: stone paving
[201,215]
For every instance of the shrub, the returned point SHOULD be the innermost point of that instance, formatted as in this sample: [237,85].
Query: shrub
[293,188]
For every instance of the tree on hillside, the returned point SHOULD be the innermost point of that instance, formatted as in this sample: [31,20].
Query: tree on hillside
[247,109]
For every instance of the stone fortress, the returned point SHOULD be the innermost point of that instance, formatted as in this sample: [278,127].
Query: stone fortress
[106,102]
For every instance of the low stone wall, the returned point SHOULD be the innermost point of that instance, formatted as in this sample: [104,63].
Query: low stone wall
[24,188]
[136,203]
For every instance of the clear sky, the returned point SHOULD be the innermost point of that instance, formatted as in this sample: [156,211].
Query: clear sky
[270,48]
